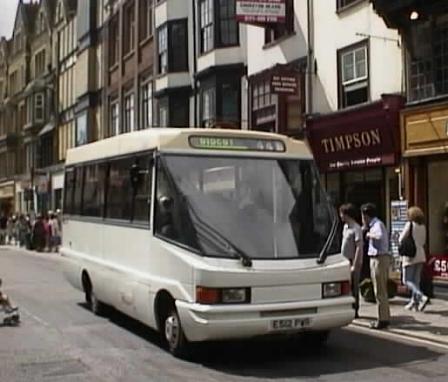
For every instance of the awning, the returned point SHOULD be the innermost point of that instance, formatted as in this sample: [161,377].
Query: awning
[49,127]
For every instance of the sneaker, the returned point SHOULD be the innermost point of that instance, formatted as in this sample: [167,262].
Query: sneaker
[410,305]
[423,302]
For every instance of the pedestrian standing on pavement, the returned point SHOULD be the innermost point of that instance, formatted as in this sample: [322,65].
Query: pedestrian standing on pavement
[352,247]
[413,266]
[3,228]
[380,259]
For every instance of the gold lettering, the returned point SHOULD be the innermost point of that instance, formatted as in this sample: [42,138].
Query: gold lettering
[357,141]
[365,139]
[376,138]
[325,144]
[348,141]
[340,144]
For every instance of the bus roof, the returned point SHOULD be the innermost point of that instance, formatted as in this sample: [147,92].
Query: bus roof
[177,140]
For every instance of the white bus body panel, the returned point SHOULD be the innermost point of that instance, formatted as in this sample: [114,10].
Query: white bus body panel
[133,266]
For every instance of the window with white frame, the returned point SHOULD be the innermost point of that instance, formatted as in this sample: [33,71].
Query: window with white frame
[206,12]
[146,24]
[114,117]
[128,124]
[208,102]
[353,76]
[39,112]
[163,49]
[146,105]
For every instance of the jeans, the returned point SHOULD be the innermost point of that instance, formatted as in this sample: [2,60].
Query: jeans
[411,278]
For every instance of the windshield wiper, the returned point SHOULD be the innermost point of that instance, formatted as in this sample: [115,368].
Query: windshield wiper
[324,254]
[207,229]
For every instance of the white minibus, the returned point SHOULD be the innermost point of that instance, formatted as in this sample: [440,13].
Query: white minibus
[205,235]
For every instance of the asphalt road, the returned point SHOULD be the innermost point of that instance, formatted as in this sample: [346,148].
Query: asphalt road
[60,340]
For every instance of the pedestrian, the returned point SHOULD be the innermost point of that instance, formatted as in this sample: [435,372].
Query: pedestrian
[380,260]
[55,233]
[352,248]
[3,228]
[39,234]
[413,266]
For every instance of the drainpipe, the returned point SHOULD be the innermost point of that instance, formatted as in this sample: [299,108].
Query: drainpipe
[195,65]
[310,57]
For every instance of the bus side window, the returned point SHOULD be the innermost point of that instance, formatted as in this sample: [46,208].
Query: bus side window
[142,190]
[78,190]
[69,190]
[93,196]
[119,190]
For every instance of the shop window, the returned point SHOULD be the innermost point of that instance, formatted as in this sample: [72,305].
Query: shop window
[172,47]
[353,75]
[277,31]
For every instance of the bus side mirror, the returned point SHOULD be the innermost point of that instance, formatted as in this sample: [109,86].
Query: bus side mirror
[166,202]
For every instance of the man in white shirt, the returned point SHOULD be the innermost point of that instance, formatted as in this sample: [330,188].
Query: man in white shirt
[380,259]
[352,247]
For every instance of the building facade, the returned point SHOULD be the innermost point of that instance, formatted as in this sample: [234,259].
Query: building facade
[424,120]
[335,64]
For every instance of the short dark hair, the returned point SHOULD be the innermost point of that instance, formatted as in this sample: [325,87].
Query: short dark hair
[369,209]
[348,209]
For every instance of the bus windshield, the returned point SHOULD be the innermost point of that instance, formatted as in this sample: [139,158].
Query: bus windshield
[263,208]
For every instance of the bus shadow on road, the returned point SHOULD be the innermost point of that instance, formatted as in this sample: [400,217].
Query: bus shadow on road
[346,351]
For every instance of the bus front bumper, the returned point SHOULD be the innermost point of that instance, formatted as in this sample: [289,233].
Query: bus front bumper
[211,322]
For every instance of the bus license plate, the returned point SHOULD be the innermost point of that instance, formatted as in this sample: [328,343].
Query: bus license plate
[290,324]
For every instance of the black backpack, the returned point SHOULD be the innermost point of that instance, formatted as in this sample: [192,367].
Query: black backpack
[407,246]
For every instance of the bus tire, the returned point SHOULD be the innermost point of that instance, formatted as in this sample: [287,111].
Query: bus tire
[173,334]
[96,306]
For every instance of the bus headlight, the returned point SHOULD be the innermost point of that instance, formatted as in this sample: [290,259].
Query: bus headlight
[210,296]
[336,289]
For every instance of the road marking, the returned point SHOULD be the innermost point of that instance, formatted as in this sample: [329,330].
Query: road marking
[388,334]
[34,317]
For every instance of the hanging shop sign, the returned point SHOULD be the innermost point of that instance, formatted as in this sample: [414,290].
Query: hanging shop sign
[261,11]
[285,82]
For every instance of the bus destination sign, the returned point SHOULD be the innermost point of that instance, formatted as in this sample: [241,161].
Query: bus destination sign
[236,144]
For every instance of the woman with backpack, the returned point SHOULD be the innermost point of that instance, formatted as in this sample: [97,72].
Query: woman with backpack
[413,257]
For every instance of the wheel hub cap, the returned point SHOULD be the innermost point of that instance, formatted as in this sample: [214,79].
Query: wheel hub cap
[171,330]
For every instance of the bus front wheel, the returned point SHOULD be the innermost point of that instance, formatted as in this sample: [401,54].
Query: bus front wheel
[174,335]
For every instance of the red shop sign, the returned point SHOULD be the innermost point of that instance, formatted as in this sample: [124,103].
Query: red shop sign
[439,266]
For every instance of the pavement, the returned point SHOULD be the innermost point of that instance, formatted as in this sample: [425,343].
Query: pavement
[430,325]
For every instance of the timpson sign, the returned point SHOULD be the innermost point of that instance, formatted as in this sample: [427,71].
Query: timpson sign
[353,149]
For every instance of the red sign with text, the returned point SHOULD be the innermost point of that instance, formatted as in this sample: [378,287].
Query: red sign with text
[261,11]
[439,266]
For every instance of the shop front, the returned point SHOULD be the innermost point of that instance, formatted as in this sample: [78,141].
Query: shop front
[7,198]
[425,152]
[358,153]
